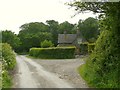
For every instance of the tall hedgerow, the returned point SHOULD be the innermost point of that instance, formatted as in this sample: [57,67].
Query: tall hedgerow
[53,52]
[102,68]
[8,63]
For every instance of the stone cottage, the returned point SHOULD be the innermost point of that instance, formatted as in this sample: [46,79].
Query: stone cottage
[70,39]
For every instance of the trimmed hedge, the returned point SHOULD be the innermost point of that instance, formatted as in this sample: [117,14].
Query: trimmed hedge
[53,52]
[86,48]
[91,47]
[83,48]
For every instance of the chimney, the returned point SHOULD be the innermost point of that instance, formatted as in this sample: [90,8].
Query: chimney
[65,36]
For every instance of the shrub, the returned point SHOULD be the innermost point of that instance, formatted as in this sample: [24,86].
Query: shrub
[46,44]
[91,47]
[0,74]
[8,56]
[102,67]
[8,63]
[53,53]
[6,79]
[83,48]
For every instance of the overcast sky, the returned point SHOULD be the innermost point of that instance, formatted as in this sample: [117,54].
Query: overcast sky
[14,13]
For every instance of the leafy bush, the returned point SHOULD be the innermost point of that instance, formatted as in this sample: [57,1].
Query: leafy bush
[102,67]
[46,44]
[11,38]
[86,47]
[53,53]
[8,63]
[83,48]
[6,79]
[91,47]
[8,56]
[0,74]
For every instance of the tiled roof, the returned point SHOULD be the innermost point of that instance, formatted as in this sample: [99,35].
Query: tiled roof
[66,38]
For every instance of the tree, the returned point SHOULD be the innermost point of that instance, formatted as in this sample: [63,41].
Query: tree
[53,29]
[10,38]
[66,26]
[89,29]
[34,27]
[102,67]
[32,34]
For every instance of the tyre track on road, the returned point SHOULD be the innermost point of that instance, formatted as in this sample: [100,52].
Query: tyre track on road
[33,75]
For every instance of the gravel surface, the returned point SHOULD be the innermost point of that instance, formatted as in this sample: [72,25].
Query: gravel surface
[65,69]
[44,73]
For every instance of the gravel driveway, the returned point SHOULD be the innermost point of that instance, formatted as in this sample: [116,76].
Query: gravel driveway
[43,73]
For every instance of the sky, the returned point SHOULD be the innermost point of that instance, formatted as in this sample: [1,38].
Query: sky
[14,13]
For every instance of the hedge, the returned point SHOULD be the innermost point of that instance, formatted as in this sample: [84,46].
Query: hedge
[53,52]
[8,63]
[91,47]
[86,48]
[83,48]
[8,57]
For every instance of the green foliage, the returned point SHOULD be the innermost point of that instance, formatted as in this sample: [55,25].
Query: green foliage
[82,71]
[6,79]
[86,47]
[46,44]
[32,34]
[8,56]
[33,40]
[0,36]
[0,74]
[10,38]
[33,27]
[66,26]
[83,48]
[8,63]
[89,29]
[54,30]
[103,63]
[53,53]
[91,47]
[102,67]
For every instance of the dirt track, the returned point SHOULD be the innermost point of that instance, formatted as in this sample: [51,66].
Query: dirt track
[39,73]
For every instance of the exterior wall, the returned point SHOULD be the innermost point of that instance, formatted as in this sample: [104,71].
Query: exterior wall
[74,43]
[77,52]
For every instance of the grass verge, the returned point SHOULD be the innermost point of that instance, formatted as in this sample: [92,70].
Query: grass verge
[109,80]
[81,70]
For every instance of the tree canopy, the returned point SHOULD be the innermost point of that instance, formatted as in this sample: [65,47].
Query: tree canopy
[89,29]
[31,34]
[54,30]
[66,26]
[10,38]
